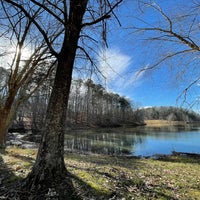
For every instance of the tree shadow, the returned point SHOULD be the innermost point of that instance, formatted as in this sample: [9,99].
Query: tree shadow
[124,187]
[24,158]
[116,173]
[12,179]
[8,179]
[84,191]
[129,162]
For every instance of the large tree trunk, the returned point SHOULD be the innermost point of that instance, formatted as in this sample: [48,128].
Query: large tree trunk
[49,169]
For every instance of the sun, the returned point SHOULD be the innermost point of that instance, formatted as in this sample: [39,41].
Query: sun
[25,53]
[10,51]
[11,56]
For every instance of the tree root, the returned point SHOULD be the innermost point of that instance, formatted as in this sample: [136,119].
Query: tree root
[59,189]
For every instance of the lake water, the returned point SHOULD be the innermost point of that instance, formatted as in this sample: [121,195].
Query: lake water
[138,141]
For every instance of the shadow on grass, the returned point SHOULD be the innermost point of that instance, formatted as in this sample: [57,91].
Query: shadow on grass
[86,192]
[119,183]
[12,165]
[23,158]
[105,160]
[128,178]
[7,178]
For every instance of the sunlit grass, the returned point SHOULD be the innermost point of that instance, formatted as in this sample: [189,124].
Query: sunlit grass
[159,123]
[103,177]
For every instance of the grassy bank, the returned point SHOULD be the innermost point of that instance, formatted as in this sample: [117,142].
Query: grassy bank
[159,123]
[106,177]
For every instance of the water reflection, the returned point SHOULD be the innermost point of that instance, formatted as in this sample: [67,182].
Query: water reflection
[102,141]
[144,141]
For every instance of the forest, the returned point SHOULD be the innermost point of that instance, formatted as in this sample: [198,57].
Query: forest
[90,105]
[169,113]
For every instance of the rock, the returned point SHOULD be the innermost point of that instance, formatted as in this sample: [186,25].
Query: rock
[21,140]
[29,146]
[15,142]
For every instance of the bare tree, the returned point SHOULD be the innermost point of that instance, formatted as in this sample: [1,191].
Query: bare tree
[173,34]
[73,18]
[24,55]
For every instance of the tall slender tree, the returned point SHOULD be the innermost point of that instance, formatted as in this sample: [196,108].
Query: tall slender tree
[24,54]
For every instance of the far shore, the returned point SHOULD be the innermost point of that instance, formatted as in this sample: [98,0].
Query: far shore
[155,123]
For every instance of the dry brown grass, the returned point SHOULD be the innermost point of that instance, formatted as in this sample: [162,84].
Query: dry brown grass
[155,123]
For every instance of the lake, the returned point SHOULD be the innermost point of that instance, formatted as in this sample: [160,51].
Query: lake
[137,141]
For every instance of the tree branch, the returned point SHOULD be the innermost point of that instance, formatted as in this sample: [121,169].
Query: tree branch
[105,16]
[185,91]
[188,42]
[163,59]
[48,10]
[96,21]
[14,3]
[91,60]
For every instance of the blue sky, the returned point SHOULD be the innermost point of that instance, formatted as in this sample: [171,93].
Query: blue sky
[128,53]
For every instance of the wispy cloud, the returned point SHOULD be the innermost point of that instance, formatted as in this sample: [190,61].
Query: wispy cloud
[113,64]
[118,69]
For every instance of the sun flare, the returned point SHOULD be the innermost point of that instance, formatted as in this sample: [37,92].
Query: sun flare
[26,53]
[10,52]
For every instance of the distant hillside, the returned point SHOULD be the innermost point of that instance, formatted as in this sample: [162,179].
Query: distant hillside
[169,113]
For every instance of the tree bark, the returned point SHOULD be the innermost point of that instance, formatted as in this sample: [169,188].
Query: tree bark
[6,116]
[49,169]
[3,128]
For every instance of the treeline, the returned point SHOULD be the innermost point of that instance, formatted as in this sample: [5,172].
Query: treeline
[92,104]
[89,105]
[168,113]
